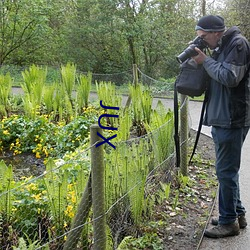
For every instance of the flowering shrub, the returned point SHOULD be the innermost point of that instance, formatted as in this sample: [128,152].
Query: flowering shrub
[43,137]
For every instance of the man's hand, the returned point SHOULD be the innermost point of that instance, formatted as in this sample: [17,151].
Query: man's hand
[200,58]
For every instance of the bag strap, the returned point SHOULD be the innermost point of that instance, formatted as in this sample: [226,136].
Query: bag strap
[199,127]
[176,126]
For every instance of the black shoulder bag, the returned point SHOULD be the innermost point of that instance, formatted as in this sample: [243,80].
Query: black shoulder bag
[191,81]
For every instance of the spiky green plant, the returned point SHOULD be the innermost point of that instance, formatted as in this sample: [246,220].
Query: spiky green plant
[5,90]
[161,128]
[83,90]
[141,104]
[33,85]
[68,74]
[123,132]
[126,171]
[48,98]
[62,106]
[6,184]
[106,92]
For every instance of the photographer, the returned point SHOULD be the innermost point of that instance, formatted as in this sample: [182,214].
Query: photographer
[228,112]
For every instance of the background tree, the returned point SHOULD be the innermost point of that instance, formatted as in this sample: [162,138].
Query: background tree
[105,36]
[21,25]
[237,13]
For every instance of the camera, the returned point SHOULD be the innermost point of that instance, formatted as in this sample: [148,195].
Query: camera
[190,51]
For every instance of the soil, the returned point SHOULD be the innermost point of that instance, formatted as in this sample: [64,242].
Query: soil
[25,164]
[186,223]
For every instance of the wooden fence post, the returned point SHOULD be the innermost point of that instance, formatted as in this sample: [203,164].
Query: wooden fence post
[184,135]
[135,74]
[98,185]
[135,82]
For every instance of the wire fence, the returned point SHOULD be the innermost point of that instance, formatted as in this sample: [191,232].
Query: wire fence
[70,206]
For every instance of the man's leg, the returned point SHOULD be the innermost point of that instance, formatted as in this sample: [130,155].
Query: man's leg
[228,144]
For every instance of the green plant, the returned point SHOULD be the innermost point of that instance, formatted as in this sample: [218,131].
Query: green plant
[68,74]
[176,199]
[141,103]
[5,90]
[107,94]
[83,91]
[161,127]
[123,132]
[28,245]
[34,81]
[6,196]
[48,98]
[164,191]
[126,172]
[147,241]
[30,208]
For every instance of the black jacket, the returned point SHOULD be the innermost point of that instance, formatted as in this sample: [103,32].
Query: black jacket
[229,90]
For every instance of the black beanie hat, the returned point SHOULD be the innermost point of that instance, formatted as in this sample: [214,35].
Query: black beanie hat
[211,23]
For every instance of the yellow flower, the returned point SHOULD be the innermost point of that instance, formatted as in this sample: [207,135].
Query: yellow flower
[6,132]
[37,196]
[31,187]
[73,199]
[69,211]
[38,156]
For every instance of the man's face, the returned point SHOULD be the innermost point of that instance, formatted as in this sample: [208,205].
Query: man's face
[211,38]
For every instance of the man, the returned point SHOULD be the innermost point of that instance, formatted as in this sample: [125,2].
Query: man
[228,112]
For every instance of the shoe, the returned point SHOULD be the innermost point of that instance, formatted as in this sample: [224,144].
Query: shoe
[241,219]
[221,231]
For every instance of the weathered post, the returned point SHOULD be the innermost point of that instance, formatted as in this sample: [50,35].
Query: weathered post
[135,74]
[98,195]
[184,135]
[135,82]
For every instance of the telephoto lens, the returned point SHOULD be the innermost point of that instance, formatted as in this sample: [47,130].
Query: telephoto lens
[190,50]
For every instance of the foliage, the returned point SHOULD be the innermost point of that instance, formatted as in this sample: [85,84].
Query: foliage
[83,90]
[42,137]
[105,90]
[34,81]
[106,36]
[46,205]
[6,184]
[51,201]
[68,74]
[147,241]
[5,90]
[163,123]
[141,106]
[23,28]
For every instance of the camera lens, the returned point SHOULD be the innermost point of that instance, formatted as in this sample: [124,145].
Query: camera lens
[187,53]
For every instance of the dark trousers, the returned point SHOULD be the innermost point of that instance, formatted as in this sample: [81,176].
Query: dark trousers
[228,145]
